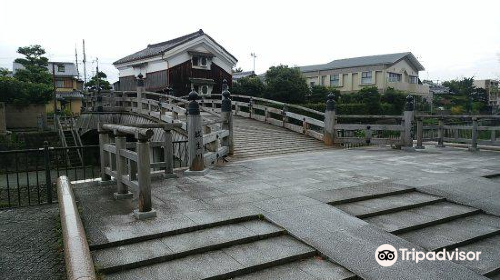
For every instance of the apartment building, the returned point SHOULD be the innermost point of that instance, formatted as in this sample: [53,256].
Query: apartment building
[397,70]
[491,87]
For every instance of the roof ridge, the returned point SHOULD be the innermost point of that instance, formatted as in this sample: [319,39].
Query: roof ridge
[181,38]
[365,56]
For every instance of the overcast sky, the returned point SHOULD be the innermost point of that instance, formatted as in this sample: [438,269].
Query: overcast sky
[450,38]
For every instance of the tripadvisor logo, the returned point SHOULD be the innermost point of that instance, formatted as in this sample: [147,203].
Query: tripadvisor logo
[387,255]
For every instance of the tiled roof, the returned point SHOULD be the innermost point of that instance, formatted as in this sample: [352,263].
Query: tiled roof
[156,49]
[364,61]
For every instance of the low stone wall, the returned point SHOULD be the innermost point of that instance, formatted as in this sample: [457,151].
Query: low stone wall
[24,116]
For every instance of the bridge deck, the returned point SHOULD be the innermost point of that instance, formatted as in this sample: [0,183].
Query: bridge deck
[257,139]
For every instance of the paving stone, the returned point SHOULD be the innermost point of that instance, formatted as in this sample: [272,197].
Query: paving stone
[323,269]
[277,204]
[450,233]
[489,257]
[282,272]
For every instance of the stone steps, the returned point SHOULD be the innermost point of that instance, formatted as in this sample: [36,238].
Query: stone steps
[453,234]
[426,220]
[253,248]
[388,204]
[421,217]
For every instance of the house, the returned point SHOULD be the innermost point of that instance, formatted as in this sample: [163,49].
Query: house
[239,75]
[397,70]
[68,86]
[491,87]
[191,62]
[437,88]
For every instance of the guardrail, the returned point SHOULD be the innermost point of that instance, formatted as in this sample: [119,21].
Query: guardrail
[79,264]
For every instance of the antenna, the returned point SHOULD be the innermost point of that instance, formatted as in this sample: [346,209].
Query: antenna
[254,57]
[84,65]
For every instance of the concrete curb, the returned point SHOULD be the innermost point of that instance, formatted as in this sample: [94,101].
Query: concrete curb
[79,264]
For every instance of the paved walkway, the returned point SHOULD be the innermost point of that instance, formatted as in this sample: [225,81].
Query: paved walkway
[31,244]
[292,191]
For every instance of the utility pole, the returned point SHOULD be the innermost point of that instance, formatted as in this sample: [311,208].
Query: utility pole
[76,64]
[55,99]
[97,74]
[84,65]
[254,57]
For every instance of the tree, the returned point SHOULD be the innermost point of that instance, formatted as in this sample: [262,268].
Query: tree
[285,84]
[250,85]
[35,65]
[103,83]
[465,93]
[4,72]
[18,92]
[396,98]
[320,93]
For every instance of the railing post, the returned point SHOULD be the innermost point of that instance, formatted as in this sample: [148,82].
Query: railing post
[140,90]
[250,107]
[103,139]
[195,136]
[440,143]
[473,146]
[408,117]
[329,133]
[168,151]
[144,180]
[368,135]
[227,118]
[48,180]
[121,168]
[283,113]
[420,133]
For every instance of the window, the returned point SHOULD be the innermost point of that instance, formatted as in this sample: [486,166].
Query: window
[196,88]
[203,61]
[204,89]
[394,77]
[366,77]
[59,84]
[334,80]
[311,84]
[61,68]
[413,80]
[195,61]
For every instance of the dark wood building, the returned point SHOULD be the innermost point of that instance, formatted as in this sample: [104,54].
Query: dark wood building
[193,61]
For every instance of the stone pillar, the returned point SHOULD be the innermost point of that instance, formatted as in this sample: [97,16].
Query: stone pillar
[195,135]
[283,113]
[103,139]
[227,118]
[329,132]
[168,151]
[408,117]
[140,91]
[420,133]
[121,168]
[473,146]
[144,181]
[368,135]
[440,143]
[3,123]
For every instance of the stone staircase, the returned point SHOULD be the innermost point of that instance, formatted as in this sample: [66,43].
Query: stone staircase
[429,221]
[249,248]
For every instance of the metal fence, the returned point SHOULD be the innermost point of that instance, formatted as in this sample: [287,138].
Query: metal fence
[24,173]
[27,177]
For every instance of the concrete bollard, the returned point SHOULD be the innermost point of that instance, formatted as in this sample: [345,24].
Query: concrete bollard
[227,118]
[168,152]
[473,147]
[329,132]
[195,137]
[283,114]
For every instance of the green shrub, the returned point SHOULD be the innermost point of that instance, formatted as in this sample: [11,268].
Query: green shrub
[17,92]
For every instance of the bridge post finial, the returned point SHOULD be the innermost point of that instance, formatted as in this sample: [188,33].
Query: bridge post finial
[227,117]
[410,103]
[195,135]
[329,133]
[140,80]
